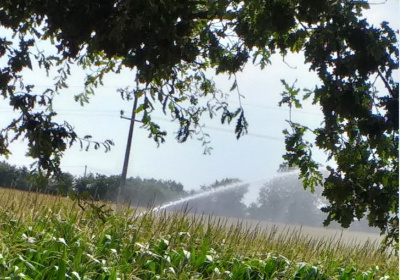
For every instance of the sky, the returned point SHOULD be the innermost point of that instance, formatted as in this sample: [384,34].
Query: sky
[254,158]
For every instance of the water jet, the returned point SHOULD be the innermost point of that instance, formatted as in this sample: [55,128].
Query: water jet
[219,190]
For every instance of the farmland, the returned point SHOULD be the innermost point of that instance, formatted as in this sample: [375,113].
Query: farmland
[50,237]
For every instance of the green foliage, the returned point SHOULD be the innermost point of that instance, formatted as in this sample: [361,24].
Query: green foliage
[171,44]
[226,201]
[44,239]
[138,191]
[21,178]
[360,131]
[283,200]
[145,192]
[97,186]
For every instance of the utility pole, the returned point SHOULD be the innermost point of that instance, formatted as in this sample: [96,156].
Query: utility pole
[127,152]
[84,175]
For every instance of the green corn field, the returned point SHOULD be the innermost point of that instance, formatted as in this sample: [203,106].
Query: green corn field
[49,237]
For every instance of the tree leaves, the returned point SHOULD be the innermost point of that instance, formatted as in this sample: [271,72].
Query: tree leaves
[289,96]
[241,125]
[356,132]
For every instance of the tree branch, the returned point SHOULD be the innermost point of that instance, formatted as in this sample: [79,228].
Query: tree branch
[385,82]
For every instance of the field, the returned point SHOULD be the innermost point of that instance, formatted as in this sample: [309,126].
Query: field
[48,237]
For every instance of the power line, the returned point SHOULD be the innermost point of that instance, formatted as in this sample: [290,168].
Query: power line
[231,101]
[170,121]
[249,134]
[231,131]
[4,110]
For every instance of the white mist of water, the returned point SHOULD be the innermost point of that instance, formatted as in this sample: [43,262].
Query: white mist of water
[199,195]
[222,190]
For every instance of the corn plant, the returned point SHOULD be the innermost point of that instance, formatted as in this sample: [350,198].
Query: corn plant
[47,237]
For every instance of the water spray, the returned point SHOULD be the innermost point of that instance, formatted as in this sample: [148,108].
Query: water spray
[216,191]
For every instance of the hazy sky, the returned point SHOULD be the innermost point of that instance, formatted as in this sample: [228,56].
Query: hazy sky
[255,157]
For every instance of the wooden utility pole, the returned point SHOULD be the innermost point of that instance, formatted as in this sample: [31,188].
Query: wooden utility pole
[127,152]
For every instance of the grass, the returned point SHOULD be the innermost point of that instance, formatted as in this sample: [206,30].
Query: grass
[48,237]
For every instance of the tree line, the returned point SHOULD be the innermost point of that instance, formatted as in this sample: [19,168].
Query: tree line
[138,191]
[280,200]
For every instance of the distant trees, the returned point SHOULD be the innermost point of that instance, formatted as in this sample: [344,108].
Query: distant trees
[280,200]
[144,192]
[138,192]
[9,175]
[283,200]
[227,201]
[21,178]
[98,186]
[60,185]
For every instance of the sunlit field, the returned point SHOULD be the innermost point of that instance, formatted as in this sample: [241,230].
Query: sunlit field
[49,237]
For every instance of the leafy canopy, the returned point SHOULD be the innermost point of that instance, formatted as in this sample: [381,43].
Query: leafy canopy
[172,43]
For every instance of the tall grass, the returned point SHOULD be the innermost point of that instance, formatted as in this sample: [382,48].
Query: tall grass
[48,237]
